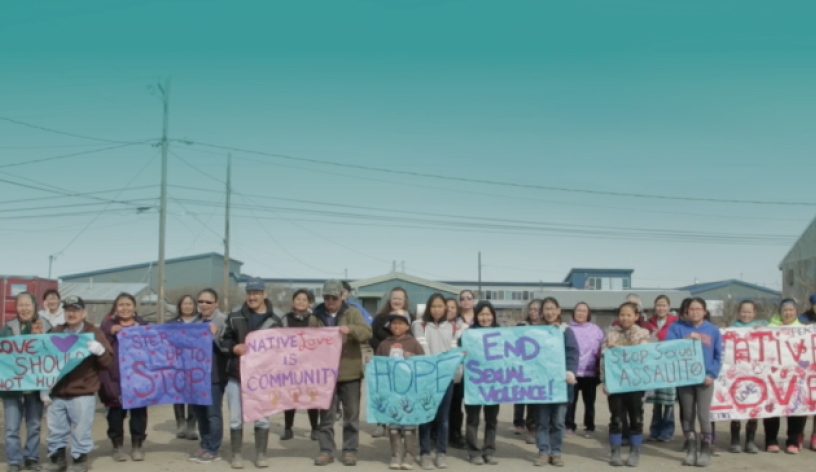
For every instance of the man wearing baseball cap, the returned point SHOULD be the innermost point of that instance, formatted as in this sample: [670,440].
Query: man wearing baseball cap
[335,312]
[73,398]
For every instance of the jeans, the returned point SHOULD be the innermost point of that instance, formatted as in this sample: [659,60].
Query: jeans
[116,422]
[16,407]
[347,395]
[662,426]
[456,417]
[550,428]
[236,421]
[491,416]
[211,420]
[626,405]
[71,417]
[441,421]
[588,387]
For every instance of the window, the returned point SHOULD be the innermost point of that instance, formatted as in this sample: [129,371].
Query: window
[525,295]
[627,283]
[593,283]
[318,292]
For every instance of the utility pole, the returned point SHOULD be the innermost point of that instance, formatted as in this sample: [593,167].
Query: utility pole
[165,91]
[480,276]
[227,236]
[50,263]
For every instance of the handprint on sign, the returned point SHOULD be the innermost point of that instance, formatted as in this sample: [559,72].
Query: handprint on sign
[312,392]
[379,404]
[427,402]
[274,398]
[395,414]
[294,394]
[406,406]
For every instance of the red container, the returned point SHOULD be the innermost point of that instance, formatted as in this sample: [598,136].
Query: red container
[11,286]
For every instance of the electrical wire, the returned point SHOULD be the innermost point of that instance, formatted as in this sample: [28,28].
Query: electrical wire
[66,133]
[65,156]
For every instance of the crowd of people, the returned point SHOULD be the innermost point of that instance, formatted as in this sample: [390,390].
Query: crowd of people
[69,407]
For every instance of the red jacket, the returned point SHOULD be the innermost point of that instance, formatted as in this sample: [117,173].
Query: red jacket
[661,333]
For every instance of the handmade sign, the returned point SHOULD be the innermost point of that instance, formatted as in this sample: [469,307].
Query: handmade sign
[289,368]
[514,365]
[165,364]
[408,391]
[654,365]
[38,362]
[766,373]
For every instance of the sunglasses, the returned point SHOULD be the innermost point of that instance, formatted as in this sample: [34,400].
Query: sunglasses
[465,298]
[206,302]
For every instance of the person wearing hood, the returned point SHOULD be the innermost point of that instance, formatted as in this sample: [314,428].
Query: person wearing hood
[186,312]
[590,337]
[333,312]
[257,313]
[300,317]
[122,316]
[52,311]
[23,405]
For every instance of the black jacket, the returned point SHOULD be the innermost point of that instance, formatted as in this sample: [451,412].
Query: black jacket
[236,330]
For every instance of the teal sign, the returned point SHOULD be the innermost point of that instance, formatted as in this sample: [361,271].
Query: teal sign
[655,365]
[39,361]
[515,365]
[408,391]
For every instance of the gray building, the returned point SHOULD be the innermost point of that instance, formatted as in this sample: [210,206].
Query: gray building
[732,290]
[799,267]
[202,270]
[99,297]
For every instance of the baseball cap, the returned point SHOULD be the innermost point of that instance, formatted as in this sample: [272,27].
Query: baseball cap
[394,316]
[255,284]
[73,301]
[332,288]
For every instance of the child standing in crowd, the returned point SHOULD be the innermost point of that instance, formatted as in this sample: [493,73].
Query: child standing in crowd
[397,303]
[400,344]
[662,427]
[697,398]
[485,318]
[590,338]
[746,318]
[468,317]
[550,417]
[520,425]
[789,316]
[452,309]
[122,316]
[625,333]
[186,312]
[436,334]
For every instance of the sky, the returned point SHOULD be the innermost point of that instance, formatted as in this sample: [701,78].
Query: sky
[672,138]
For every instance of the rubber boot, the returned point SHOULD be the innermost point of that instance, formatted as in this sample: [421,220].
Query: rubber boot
[236,442]
[181,424]
[691,452]
[750,434]
[396,455]
[59,461]
[118,449]
[261,442]
[192,430]
[704,459]
[635,444]
[735,438]
[615,441]
[80,464]
[137,454]
[409,458]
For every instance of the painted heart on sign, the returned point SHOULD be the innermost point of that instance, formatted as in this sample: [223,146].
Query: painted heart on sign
[64,343]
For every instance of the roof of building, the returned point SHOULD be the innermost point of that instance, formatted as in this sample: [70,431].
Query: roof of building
[504,284]
[578,270]
[608,299]
[145,264]
[442,287]
[106,291]
[803,248]
[704,287]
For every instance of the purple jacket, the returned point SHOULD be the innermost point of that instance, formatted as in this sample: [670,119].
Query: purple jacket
[109,390]
[590,337]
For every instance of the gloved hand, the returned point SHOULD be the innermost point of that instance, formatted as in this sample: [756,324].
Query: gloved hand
[571,378]
[45,397]
[96,348]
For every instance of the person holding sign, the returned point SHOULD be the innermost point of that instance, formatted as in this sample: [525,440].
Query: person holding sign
[551,417]
[697,398]
[789,316]
[23,405]
[746,318]
[662,426]
[485,318]
[299,317]
[186,312]
[630,404]
[520,425]
[437,334]
[333,312]
[256,314]
[590,337]
[467,316]
[73,398]
[123,316]
[400,344]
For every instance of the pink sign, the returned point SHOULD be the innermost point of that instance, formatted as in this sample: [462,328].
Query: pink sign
[765,373]
[289,368]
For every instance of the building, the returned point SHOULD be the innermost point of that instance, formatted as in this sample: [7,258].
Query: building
[196,272]
[799,267]
[732,290]
[99,298]
[373,292]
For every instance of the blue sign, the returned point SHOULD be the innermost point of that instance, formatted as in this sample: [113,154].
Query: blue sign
[38,361]
[652,366]
[408,391]
[165,364]
[524,364]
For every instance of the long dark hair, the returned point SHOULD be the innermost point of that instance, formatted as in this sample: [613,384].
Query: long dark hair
[481,306]
[181,300]
[121,296]
[554,302]
[426,317]
[589,310]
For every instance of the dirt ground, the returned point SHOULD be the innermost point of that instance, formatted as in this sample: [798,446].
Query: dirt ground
[166,453]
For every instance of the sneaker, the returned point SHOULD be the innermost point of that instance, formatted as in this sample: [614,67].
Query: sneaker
[207,457]
[541,460]
[31,464]
[478,460]
[556,461]
[517,430]
[589,434]
[425,462]
[792,449]
[441,461]
[570,432]
[349,460]
[324,459]
[651,439]
[490,460]
[193,457]
[772,448]
[530,438]
[813,442]
[379,431]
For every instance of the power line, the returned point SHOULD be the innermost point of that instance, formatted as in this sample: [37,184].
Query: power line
[66,133]
[495,182]
[65,156]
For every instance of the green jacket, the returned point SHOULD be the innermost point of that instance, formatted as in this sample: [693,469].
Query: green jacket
[351,358]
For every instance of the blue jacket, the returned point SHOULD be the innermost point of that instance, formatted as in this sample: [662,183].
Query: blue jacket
[366,315]
[712,343]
